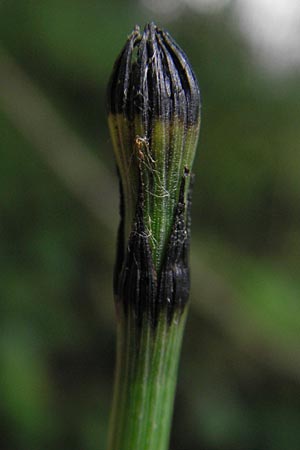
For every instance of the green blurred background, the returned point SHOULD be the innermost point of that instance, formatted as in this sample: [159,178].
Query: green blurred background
[240,370]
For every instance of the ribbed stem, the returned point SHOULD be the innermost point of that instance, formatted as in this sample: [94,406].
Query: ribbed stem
[145,381]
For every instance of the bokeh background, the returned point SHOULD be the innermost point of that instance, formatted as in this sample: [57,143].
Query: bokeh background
[239,376]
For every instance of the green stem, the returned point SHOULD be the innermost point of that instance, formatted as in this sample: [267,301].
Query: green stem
[146,373]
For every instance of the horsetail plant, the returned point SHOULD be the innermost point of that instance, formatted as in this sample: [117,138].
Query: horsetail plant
[154,120]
